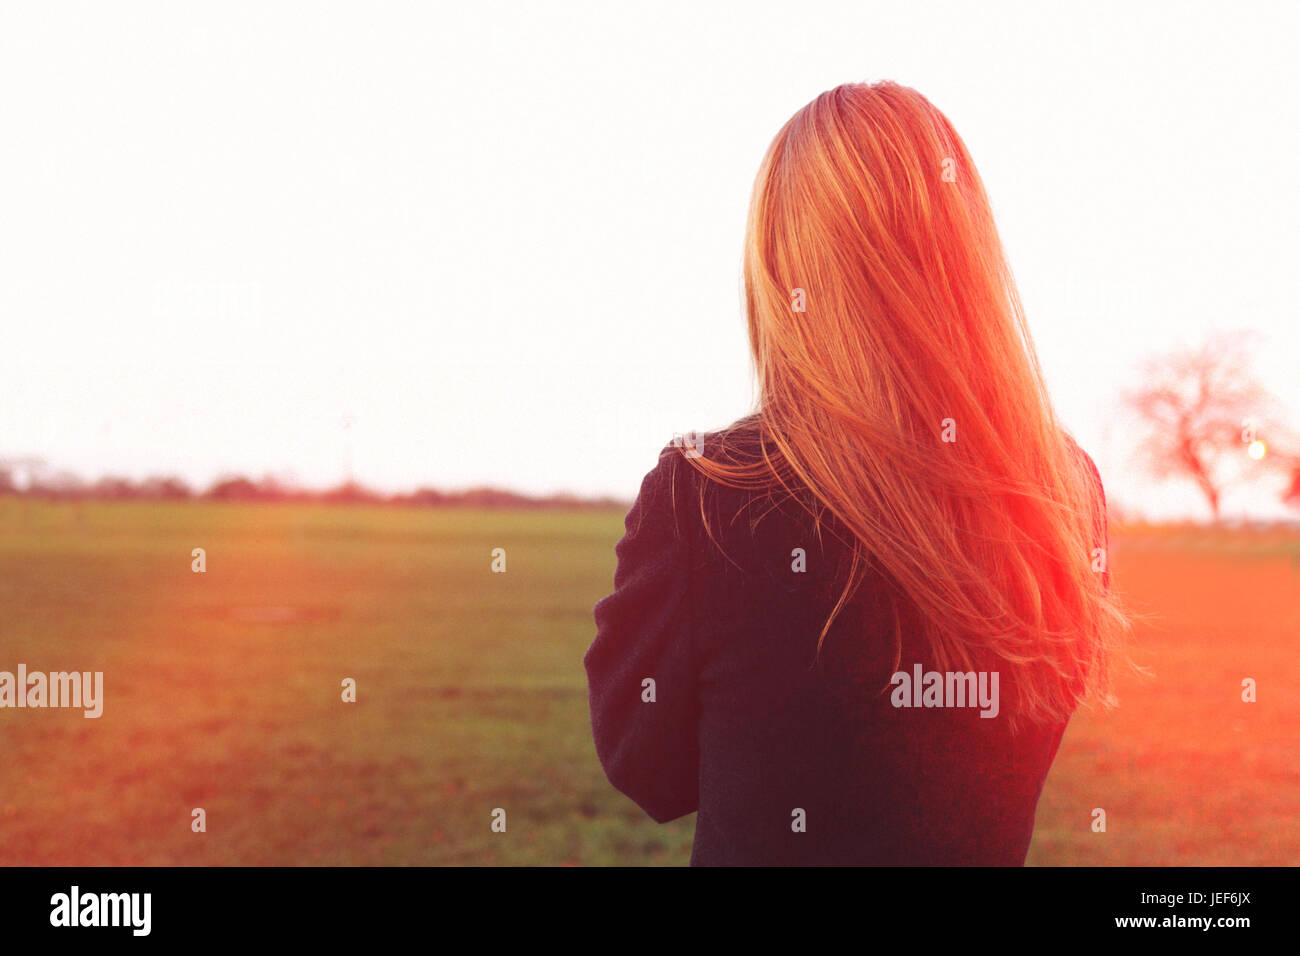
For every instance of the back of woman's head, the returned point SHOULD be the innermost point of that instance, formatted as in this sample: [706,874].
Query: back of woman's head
[898,384]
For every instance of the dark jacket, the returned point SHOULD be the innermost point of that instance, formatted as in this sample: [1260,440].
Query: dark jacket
[748,730]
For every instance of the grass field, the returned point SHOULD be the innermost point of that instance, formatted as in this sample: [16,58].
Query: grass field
[223,692]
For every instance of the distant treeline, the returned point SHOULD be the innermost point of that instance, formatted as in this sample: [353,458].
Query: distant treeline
[65,486]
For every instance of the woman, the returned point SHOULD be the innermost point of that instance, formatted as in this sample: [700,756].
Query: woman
[851,628]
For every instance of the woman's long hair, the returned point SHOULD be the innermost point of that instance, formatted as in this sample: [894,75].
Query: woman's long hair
[898,383]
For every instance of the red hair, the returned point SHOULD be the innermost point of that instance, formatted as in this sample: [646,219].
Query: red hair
[906,396]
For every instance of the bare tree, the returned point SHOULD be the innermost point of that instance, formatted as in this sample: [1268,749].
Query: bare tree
[1207,418]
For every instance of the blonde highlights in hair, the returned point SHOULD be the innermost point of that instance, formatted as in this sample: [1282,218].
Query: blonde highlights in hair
[907,398]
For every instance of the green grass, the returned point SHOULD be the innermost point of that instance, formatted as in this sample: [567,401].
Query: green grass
[223,692]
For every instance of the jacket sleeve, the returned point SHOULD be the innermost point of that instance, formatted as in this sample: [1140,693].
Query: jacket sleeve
[650,748]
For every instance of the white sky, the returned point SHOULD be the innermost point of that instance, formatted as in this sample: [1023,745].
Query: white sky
[504,239]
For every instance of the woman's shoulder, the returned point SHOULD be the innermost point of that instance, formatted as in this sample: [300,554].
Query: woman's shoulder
[679,482]
[733,444]
[726,486]
[695,462]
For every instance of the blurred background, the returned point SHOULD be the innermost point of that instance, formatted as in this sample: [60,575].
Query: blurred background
[350,296]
